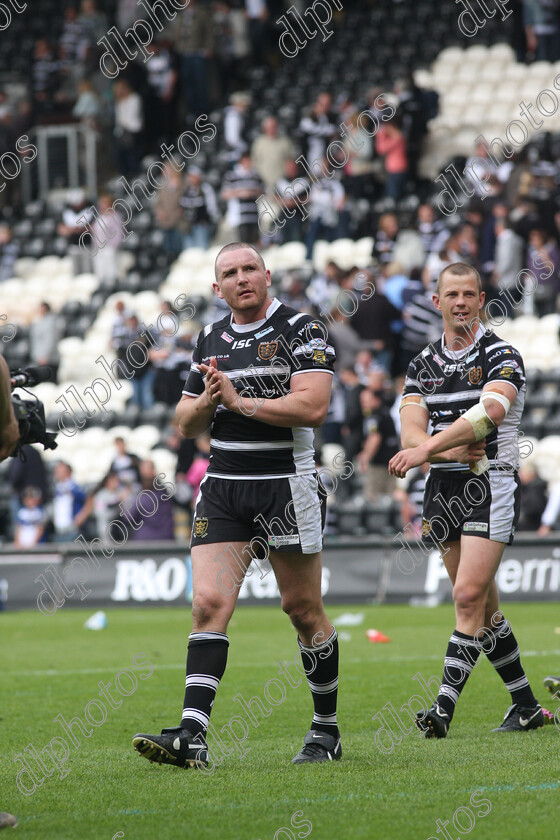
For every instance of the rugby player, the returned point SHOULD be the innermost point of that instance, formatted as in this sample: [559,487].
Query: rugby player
[261,378]
[471,386]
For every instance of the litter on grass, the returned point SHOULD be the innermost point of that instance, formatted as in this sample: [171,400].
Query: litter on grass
[97,621]
[349,619]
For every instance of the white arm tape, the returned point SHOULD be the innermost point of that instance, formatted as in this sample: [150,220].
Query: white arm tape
[479,420]
[494,395]
[404,402]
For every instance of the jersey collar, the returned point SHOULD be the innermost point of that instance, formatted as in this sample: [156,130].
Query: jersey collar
[254,325]
[458,354]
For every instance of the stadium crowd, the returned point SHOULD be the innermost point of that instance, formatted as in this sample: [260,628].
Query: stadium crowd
[205,58]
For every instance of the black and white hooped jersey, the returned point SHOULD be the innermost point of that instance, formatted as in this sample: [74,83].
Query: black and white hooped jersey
[452,382]
[260,359]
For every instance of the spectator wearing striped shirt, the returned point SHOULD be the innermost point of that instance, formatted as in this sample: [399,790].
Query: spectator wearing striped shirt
[200,210]
[241,187]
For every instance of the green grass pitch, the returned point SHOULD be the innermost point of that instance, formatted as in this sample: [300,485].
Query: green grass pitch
[52,666]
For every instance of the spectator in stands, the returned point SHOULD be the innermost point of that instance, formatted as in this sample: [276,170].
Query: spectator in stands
[390,142]
[138,359]
[31,520]
[291,184]
[542,26]
[242,185]
[125,465]
[422,324]
[550,520]
[318,128]
[200,464]
[327,200]
[185,449]
[235,125]
[256,12]
[393,282]
[508,262]
[432,230]
[9,252]
[385,238]
[28,471]
[103,502]
[74,217]
[151,507]
[169,357]
[379,444]
[162,79]
[45,78]
[193,33]
[270,152]
[232,46]
[413,118]
[200,210]
[88,105]
[543,259]
[436,262]
[533,498]
[324,287]
[44,335]
[93,23]
[68,501]
[109,232]
[358,146]
[481,166]
[129,122]
[119,329]
[169,213]
[372,321]
[345,339]
[73,36]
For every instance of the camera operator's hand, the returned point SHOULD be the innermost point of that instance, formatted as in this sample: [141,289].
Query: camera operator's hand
[9,429]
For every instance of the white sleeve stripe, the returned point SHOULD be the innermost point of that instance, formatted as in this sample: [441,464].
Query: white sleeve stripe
[190,394]
[313,370]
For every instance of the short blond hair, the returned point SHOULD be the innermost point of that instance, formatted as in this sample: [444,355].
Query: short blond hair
[459,269]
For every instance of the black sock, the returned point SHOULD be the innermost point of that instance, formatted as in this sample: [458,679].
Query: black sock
[462,654]
[206,663]
[321,666]
[504,656]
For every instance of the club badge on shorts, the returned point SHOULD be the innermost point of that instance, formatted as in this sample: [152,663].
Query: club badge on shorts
[200,527]
[267,349]
[475,375]
[426,527]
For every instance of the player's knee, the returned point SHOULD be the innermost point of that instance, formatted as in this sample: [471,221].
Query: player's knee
[468,596]
[302,613]
[206,607]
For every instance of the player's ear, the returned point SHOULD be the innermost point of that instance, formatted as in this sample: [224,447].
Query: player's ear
[481,299]
[268,277]
[217,291]
[435,301]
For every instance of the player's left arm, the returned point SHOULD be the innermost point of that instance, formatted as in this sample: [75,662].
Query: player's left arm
[306,404]
[474,425]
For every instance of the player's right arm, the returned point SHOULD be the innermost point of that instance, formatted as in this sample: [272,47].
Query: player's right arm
[414,425]
[196,408]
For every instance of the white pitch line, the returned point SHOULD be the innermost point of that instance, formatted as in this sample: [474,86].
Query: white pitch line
[231,665]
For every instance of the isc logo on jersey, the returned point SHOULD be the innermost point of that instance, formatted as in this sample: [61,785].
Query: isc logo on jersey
[242,342]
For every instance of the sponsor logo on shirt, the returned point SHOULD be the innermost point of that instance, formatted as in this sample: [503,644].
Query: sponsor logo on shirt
[498,353]
[263,332]
[319,357]
[227,337]
[506,372]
